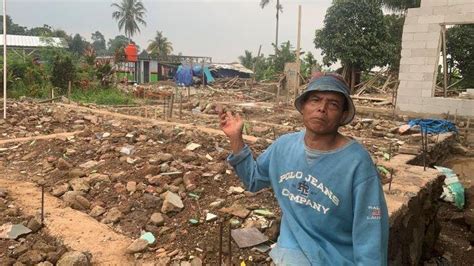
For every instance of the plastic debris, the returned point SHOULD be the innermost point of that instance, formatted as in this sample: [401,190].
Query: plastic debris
[453,190]
[192,146]
[13,231]
[148,237]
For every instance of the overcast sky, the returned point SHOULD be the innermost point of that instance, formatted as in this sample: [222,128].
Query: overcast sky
[222,29]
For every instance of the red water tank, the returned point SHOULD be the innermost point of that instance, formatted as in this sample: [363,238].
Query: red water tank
[131,53]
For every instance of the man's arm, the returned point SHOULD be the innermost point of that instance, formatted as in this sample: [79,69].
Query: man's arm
[253,173]
[370,224]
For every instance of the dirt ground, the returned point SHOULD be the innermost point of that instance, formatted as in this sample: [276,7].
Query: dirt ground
[118,174]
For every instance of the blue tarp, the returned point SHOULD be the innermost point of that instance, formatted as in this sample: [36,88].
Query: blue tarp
[434,126]
[184,75]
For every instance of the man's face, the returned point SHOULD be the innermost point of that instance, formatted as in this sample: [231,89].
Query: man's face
[323,112]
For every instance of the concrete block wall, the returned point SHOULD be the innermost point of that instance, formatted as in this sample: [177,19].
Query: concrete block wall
[421,46]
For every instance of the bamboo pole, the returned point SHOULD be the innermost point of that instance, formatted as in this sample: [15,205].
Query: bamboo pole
[445,64]
[4,59]
[298,48]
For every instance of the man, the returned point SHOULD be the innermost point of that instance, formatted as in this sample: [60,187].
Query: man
[332,202]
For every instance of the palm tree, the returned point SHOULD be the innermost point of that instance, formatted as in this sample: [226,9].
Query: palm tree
[400,5]
[247,60]
[129,14]
[160,46]
[279,9]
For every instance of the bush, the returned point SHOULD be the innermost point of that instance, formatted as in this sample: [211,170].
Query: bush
[62,71]
[102,96]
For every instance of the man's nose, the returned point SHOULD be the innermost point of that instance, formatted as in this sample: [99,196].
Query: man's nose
[322,107]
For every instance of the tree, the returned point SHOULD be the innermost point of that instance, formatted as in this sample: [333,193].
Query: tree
[78,45]
[279,9]
[460,51]
[309,63]
[120,41]
[400,5]
[394,25]
[247,60]
[63,70]
[45,30]
[354,32]
[130,13]
[283,55]
[98,42]
[12,28]
[160,46]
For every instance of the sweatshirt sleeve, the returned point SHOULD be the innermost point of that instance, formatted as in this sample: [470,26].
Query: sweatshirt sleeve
[253,173]
[370,224]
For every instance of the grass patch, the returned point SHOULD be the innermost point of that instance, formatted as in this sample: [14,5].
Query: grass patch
[102,96]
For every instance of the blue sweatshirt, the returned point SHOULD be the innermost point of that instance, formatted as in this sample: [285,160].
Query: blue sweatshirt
[333,209]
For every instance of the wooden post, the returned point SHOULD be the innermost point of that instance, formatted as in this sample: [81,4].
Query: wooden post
[255,63]
[69,85]
[445,64]
[297,81]
[189,92]
[180,105]
[171,105]
[164,107]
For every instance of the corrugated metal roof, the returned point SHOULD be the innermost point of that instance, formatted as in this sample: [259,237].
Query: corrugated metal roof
[233,66]
[33,41]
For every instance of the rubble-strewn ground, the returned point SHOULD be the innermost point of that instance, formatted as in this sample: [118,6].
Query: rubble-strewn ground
[141,177]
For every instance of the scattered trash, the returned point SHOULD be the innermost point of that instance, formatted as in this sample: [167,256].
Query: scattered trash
[13,231]
[434,126]
[262,248]
[193,221]
[210,217]
[453,190]
[192,146]
[248,237]
[148,237]
[264,212]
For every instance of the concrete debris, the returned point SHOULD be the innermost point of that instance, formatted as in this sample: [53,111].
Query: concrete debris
[172,202]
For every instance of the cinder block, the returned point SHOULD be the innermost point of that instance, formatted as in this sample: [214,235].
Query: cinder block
[413,84]
[424,52]
[433,27]
[409,107]
[428,36]
[426,93]
[429,3]
[459,2]
[467,107]
[431,19]
[412,61]
[434,43]
[433,109]
[459,18]
[405,68]
[411,20]
[422,69]
[429,76]
[408,36]
[406,52]
[414,44]
[432,60]
[411,76]
[409,99]
[416,28]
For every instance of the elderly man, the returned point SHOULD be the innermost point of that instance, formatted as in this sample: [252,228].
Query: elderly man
[332,202]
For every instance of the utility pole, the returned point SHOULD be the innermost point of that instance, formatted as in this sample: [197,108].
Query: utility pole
[297,81]
[4,59]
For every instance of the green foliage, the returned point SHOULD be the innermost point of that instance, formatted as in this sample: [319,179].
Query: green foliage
[129,14]
[354,33]
[62,71]
[98,42]
[78,45]
[394,25]
[12,28]
[160,45]
[308,64]
[460,51]
[247,60]
[401,5]
[102,96]
[119,42]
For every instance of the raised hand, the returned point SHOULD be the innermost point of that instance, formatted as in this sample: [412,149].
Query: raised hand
[232,126]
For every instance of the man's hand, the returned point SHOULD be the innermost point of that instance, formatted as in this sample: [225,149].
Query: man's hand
[232,126]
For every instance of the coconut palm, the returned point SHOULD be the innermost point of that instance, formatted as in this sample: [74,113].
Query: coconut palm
[129,14]
[160,45]
[279,9]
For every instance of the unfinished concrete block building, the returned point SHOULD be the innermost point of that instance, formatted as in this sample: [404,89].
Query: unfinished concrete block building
[421,46]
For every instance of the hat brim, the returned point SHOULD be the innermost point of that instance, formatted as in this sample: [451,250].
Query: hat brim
[350,104]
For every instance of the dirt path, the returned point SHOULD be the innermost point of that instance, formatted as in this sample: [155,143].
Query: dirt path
[154,121]
[76,229]
[50,136]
